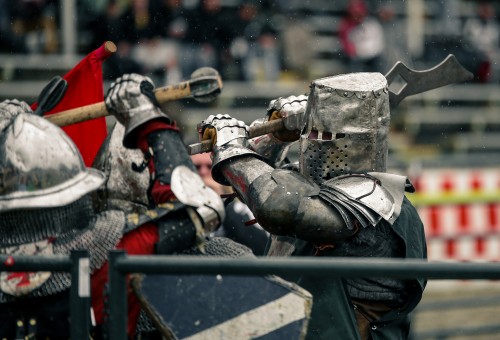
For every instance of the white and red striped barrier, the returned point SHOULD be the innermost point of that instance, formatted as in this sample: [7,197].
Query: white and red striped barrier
[460,209]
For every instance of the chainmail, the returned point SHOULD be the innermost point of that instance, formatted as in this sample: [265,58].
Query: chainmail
[31,225]
[96,233]
[223,247]
[144,325]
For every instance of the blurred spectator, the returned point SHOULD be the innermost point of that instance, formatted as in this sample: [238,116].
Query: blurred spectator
[33,26]
[175,19]
[9,41]
[362,38]
[175,22]
[172,38]
[207,36]
[254,46]
[483,34]
[296,37]
[137,31]
[203,164]
[102,20]
[138,24]
[448,17]
[394,37]
[238,224]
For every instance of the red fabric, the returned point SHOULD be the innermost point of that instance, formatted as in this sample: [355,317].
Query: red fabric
[149,127]
[483,73]
[85,87]
[162,193]
[138,242]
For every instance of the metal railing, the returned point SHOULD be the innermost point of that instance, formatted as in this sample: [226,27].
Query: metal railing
[121,264]
[78,265]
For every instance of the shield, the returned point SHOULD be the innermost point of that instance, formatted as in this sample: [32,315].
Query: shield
[223,306]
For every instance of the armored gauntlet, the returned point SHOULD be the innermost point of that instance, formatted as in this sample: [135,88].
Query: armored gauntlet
[292,110]
[229,137]
[131,100]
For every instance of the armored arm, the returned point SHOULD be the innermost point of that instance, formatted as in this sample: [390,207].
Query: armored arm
[283,202]
[173,177]
[274,146]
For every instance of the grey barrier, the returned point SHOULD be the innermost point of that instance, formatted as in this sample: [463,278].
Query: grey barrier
[78,265]
[121,264]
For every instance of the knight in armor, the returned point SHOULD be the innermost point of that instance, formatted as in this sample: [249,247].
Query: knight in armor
[47,207]
[339,202]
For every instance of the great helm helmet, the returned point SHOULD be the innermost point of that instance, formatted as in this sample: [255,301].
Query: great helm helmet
[346,126]
[40,166]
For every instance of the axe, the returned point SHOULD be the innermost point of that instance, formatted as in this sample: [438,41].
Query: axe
[449,71]
[203,86]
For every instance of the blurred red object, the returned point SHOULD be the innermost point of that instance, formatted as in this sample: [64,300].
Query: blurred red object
[85,87]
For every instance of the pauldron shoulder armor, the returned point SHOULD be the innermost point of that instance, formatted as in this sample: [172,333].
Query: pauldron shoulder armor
[366,197]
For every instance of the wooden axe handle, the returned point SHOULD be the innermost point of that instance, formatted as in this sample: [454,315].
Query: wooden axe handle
[97,110]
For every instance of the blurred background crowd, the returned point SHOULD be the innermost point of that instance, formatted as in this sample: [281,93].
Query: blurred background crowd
[261,40]
[264,49]
[446,140]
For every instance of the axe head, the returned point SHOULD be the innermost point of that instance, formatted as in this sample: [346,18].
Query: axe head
[51,95]
[449,71]
[205,84]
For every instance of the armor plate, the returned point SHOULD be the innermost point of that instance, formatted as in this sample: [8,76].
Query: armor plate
[372,195]
[40,166]
[190,189]
[125,188]
[347,123]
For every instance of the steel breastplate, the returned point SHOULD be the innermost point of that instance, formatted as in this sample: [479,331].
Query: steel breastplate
[366,197]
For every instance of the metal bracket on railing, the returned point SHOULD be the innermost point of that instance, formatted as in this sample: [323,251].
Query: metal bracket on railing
[116,325]
[78,265]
